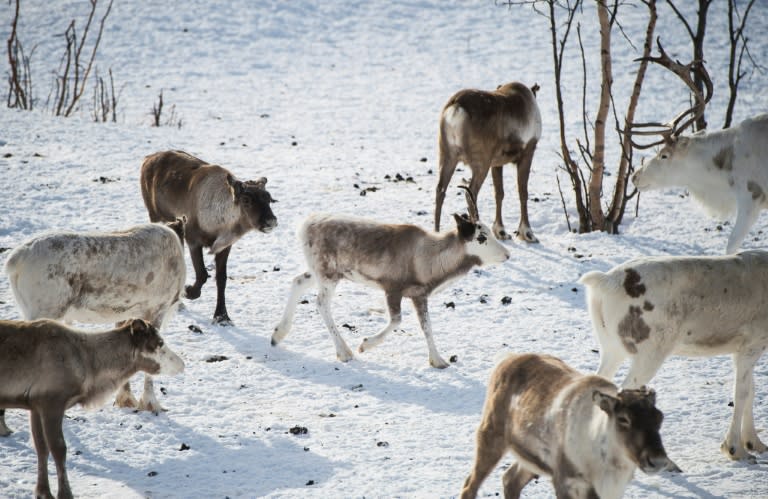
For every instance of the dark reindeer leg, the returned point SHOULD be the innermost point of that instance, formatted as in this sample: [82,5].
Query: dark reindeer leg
[42,489]
[479,174]
[524,231]
[220,316]
[497,173]
[448,164]
[4,430]
[201,275]
[54,439]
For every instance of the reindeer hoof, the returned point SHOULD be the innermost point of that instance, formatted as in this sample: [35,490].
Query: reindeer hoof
[527,236]
[222,320]
[737,454]
[438,363]
[191,292]
[126,401]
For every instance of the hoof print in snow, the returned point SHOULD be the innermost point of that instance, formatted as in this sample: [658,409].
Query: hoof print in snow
[483,298]
[506,300]
[216,358]
[298,430]
[357,388]
[382,444]
[450,304]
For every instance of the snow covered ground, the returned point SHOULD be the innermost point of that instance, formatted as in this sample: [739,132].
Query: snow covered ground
[327,99]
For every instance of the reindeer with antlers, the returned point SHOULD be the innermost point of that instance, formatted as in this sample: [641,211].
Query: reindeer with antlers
[726,170]
[402,260]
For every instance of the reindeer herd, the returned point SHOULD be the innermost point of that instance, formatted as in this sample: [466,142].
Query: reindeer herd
[585,432]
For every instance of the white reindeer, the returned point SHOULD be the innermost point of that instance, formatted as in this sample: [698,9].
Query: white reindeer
[101,277]
[578,429]
[402,260]
[650,308]
[485,131]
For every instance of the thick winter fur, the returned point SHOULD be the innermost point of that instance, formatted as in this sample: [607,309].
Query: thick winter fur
[46,368]
[650,308]
[219,211]
[402,260]
[485,131]
[573,427]
[101,278]
[725,170]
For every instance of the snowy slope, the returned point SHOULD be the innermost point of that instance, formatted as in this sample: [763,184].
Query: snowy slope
[326,99]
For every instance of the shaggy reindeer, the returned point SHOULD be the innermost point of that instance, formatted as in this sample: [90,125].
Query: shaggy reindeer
[219,211]
[402,260]
[573,427]
[650,308]
[725,170]
[47,368]
[101,278]
[485,131]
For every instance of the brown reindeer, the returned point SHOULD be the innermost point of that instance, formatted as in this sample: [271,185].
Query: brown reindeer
[485,131]
[579,429]
[46,368]
[219,210]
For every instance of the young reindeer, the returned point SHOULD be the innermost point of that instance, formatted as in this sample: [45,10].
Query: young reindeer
[402,260]
[46,368]
[485,131]
[219,210]
[579,429]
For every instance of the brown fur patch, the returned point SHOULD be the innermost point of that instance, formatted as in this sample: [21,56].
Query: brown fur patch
[756,190]
[632,284]
[633,329]
[724,159]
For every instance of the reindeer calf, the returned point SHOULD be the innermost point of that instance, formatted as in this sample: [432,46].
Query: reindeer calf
[402,260]
[46,368]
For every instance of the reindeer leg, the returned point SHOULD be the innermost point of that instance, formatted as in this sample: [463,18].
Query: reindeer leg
[497,173]
[4,430]
[422,311]
[448,164]
[124,397]
[395,317]
[43,488]
[300,285]
[515,479]
[524,231]
[490,448]
[54,439]
[201,275]
[324,296]
[220,316]
[149,401]
[732,445]
[479,173]
[749,436]
[747,211]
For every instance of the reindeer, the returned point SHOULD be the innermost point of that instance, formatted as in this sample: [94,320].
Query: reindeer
[101,277]
[650,308]
[725,170]
[46,368]
[486,130]
[579,429]
[219,211]
[402,260]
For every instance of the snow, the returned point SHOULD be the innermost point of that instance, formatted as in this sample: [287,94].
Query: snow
[358,88]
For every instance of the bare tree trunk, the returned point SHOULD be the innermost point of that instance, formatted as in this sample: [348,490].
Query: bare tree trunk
[619,202]
[735,35]
[598,161]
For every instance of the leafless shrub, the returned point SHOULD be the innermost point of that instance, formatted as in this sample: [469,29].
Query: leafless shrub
[20,77]
[73,73]
[104,99]
[157,114]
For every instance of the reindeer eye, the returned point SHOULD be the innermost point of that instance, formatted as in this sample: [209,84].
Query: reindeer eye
[624,421]
[664,156]
[160,343]
[481,238]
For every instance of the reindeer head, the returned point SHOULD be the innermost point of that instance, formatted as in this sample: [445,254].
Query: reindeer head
[479,239]
[254,201]
[156,357]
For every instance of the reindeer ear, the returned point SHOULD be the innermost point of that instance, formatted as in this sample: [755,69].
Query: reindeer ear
[139,329]
[236,186]
[606,402]
[650,395]
[465,226]
[178,226]
[535,88]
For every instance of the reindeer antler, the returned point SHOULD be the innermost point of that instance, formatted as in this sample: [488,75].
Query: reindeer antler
[673,128]
[471,203]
